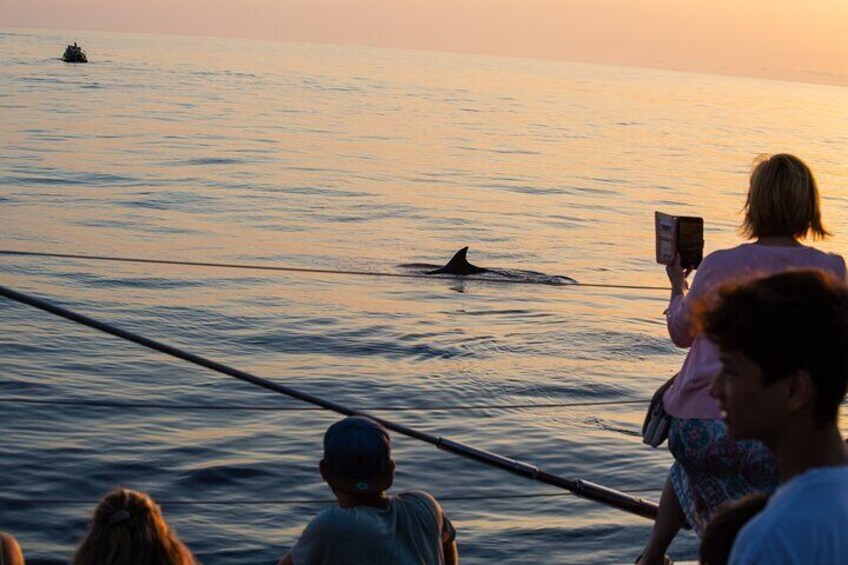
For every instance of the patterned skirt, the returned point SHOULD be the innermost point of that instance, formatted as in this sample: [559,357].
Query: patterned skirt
[711,469]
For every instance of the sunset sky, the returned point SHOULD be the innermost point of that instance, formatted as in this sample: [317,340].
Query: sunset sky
[791,39]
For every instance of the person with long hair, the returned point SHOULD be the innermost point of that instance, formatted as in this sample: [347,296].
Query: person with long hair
[10,551]
[711,468]
[128,529]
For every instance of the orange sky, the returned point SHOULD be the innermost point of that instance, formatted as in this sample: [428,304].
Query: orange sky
[792,39]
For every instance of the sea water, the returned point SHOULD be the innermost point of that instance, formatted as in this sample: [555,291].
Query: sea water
[353,158]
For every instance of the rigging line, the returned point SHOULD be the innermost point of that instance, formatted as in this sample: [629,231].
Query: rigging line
[424,408]
[266,408]
[201,502]
[305,269]
[579,487]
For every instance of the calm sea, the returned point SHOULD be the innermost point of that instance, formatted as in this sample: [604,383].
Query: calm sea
[355,158]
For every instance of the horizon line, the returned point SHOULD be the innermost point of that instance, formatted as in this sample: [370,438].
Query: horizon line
[771,75]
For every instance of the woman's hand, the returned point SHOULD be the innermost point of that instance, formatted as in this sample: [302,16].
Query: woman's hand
[677,276]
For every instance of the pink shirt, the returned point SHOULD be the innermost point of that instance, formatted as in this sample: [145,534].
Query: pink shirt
[689,396]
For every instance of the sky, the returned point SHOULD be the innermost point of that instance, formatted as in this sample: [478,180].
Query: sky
[803,40]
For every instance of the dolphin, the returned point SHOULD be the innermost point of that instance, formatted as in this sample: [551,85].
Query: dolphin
[459,265]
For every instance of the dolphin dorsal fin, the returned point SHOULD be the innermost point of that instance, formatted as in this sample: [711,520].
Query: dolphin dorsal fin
[459,260]
[459,265]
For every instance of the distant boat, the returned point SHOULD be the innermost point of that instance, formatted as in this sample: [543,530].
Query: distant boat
[74,54]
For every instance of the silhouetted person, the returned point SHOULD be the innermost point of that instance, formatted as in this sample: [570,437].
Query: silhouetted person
[782,346]
[128,529]
[725,525]
[10,551]
[368,527]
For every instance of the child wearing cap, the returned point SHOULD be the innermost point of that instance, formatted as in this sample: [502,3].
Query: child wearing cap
[368,527]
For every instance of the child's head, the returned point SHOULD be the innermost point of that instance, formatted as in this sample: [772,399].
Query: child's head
[10,551]
[783,200]
[128,529]
[721,532]
[358,457]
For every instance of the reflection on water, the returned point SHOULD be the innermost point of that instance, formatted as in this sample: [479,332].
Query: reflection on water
[357,159]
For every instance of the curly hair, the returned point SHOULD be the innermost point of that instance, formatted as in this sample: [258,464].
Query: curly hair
[786,322]
[128,529]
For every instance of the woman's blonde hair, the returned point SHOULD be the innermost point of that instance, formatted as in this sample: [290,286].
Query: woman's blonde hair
[128,529]
[783,200]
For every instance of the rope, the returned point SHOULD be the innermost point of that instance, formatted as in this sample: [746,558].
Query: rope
[304,269]
[256,407]
[583,488]
[311,501]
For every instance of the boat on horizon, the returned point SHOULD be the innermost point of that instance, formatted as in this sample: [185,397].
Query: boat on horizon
[74,54]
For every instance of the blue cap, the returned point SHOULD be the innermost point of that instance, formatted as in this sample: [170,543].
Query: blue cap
[358,456]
